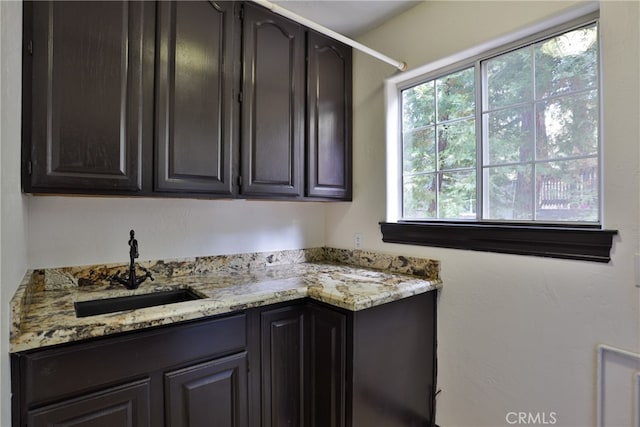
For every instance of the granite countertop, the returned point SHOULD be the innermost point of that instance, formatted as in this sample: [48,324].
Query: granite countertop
[43,306]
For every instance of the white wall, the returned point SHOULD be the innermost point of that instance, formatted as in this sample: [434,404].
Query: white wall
[13,253]
[516,333]
[84,230]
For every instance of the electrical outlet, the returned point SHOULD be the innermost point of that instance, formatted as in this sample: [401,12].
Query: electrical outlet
[357,241]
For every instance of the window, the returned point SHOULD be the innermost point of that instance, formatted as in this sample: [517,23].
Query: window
[536,126]
[507,139]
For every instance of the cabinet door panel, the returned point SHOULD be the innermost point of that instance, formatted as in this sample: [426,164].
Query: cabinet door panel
[86,89]
[329,118]
[196,43]
[282,350]
[208,394]
[273,106]
[326,346]
[123,406]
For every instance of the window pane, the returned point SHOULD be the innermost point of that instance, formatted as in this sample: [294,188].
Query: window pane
[418,106]
[567,190]
[509,79]
[539,136]
[419,197]
[418,151]
[567,126]
[456,95]
[567,63]
[508,193]
[509,136]
[457,145]
[458,195]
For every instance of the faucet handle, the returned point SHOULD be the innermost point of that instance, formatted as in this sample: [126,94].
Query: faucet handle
[147,273]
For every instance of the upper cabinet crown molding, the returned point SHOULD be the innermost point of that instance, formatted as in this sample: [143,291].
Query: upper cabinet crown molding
[183,99]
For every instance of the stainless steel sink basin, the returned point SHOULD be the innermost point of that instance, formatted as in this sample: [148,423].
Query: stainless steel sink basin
[112,305]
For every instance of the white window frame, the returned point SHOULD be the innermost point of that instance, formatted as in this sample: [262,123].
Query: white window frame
[468,58]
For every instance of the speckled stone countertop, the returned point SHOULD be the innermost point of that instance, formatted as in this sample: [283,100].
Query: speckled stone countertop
[43,306]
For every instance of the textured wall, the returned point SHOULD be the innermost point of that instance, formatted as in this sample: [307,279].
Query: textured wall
[516,333]
[66,231]
[13,245]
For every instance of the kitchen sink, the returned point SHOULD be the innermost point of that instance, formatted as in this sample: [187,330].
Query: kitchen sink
[112,305]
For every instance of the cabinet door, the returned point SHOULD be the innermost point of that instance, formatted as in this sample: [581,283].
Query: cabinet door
[208,394]
[329,118]
[326,350]
[273,104]
[84,95]
[282,365]
[123,406]
[194,110]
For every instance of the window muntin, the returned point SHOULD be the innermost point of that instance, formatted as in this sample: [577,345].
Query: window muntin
[537,131]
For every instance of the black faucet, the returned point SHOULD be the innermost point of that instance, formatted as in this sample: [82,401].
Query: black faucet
[131,281]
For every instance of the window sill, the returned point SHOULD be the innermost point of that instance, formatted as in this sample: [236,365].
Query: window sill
[577,243]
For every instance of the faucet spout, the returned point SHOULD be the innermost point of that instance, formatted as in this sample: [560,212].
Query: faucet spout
[132,281]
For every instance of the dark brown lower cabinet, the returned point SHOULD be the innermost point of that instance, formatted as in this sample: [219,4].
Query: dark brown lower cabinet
[124,406]
[208,394]
[373,367]
[282,363]
[294,364]
[392,358]
[130,379]
[326,367]
[302,365]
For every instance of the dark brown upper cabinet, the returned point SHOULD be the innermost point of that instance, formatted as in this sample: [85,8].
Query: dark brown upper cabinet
[195,112]
[328,118]
[183,99]
[273,104]
[84,96]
